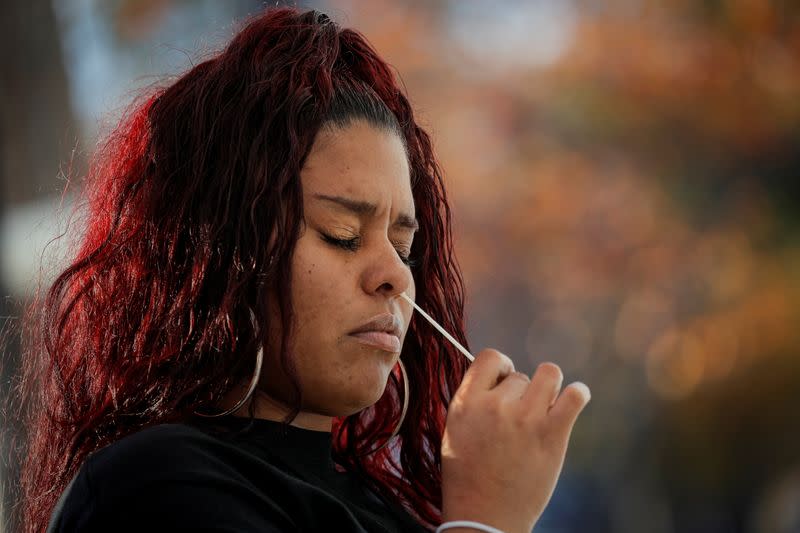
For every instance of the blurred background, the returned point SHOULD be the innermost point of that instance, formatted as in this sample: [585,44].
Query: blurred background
[624,178]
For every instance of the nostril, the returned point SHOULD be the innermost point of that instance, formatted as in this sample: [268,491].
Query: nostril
[387,287]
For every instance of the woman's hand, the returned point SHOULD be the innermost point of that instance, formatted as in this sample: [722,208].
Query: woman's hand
[504,442]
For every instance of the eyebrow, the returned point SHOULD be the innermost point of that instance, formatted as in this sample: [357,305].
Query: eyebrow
[361,208]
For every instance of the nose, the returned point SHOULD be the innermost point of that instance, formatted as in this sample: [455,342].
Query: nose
[386,274]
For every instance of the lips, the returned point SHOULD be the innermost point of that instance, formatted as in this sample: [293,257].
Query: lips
[379,339]
[382,331]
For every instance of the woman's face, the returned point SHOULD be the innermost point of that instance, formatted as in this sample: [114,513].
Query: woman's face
[347,269]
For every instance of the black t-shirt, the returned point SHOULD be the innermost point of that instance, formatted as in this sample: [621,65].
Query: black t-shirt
[219,475]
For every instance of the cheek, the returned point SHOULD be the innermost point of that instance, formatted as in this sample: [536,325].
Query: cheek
[408,309]
[318,287]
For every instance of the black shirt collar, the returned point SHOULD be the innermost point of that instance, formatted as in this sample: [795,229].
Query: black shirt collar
[306,450]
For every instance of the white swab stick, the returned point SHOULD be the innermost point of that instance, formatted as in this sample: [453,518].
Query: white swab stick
[440,328]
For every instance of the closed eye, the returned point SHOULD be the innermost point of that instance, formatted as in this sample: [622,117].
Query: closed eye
[347,244]
[354,243]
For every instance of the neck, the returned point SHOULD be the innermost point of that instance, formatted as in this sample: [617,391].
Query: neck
[267,408]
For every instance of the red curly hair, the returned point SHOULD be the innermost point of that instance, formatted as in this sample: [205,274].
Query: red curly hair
[188,199]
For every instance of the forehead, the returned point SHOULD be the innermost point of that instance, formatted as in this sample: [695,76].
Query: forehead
[360,162]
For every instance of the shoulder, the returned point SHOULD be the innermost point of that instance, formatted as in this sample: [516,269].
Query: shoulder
[165,476]
[155,453]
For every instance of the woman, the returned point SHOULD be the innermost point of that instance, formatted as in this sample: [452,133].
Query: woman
[230,351]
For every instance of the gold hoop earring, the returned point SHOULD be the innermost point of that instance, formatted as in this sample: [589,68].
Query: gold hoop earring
[253,381]
[402,413]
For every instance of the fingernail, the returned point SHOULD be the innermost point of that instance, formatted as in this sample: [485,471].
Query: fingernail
[584,390]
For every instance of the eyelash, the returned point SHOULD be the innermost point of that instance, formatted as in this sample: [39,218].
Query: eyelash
[353,244]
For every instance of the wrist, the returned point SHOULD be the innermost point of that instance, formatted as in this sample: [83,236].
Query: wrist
[465,526]
[493,522]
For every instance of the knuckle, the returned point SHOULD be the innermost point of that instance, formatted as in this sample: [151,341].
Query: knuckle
[522,422]
[498,357]
[531,420]
[541,427]
[551,439]
[495,407]
[520,375]
[489,353]
[457,407]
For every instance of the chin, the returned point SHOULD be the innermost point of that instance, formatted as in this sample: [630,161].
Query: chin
[366,396]
[358,389]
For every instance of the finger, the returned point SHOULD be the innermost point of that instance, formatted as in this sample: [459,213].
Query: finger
[569,405]
[545,385]
[513,386]
[489,367]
